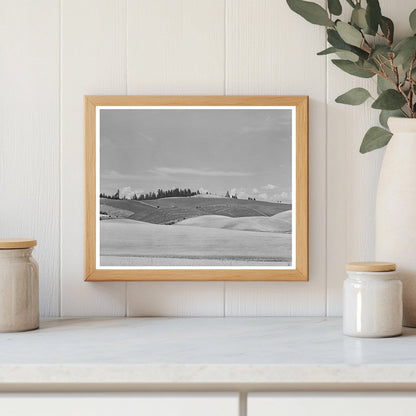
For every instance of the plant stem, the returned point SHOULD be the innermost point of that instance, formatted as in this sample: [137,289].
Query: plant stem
[412,86]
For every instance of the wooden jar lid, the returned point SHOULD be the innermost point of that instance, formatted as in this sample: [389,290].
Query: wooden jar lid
[12,243]
[371,266]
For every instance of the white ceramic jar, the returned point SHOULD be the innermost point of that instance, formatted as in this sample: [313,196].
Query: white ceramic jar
[19,286]
[373,305]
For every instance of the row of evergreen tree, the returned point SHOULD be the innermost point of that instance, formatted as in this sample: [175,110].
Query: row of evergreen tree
[160,193]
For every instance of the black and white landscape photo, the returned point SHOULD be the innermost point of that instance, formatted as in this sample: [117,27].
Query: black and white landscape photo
[193,187]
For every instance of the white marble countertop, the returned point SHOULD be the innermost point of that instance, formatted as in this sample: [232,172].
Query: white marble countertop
[203,351]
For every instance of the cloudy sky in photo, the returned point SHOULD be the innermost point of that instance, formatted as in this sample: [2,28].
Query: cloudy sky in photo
[247,152]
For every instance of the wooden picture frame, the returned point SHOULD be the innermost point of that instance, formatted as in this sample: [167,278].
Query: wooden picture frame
[94,271]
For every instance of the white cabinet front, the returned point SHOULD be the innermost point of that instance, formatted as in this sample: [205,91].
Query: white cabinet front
[331,404]
[123,404]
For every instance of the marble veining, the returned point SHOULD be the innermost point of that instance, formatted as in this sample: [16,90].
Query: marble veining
[203,350]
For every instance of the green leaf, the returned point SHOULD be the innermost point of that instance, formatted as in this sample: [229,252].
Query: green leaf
[381,50]
[389,100]
[350,56]
[370,65]
[327,51]
[383,84]
[405,50]
[347,55]
[334,7]
[358,18]
[311,12]
[356,96]
[387,27]
[386,114]
[412,20]
[352,68]
[349,34]
[336,41]
[375,138]
[373,15]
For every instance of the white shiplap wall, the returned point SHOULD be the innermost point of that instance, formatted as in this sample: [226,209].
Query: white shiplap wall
[54,52]
[29,134]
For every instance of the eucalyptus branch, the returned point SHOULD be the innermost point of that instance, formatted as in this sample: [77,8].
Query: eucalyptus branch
[366,47]
[385,75]
[395,71]
[369,46]
[412,85]
[387,38]
[406,97]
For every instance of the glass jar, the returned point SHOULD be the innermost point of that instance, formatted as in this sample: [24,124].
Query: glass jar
[19,286]
[372,300]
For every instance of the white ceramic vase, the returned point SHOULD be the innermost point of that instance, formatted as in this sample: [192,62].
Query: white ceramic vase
[396,210]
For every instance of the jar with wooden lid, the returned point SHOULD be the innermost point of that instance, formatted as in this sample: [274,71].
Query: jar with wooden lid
[372,300]
[19,286]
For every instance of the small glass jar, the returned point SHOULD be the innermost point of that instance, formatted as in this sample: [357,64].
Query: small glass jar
[19,286]
[372,300]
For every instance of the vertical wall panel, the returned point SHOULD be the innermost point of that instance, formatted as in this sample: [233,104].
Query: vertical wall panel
[93,62]
[175,47]
[29,134]
[352,177]
[272,51]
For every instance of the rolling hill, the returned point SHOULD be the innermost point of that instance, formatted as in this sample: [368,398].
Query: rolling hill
[278,223]
[173,210]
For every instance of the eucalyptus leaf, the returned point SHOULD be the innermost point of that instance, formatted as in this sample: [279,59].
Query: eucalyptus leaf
[405,50]
[373,65]
[383,84]
[311,12]
[386,114]
[334,7]
[360,52]
[375,138]
[358,18]
[349,34]
[381,50]
[350,56]
[387,27]
[373,15]
[352,68]
[347,55]
[327,51]
[412,20]
[389,100]
[336,41]
[356,96]
[392,76]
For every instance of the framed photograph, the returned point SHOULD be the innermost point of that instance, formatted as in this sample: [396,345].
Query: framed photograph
[196,188]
